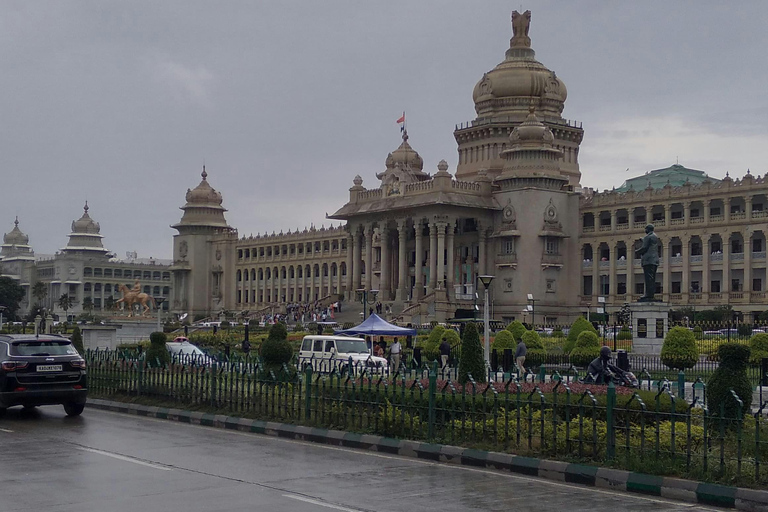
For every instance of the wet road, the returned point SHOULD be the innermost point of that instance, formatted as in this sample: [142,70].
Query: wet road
[112,462]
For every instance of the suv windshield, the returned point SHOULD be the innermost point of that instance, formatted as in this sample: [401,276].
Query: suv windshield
[351,346]
[42,348]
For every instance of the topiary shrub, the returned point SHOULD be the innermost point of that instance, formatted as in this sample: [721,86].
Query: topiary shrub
[504,339]
[157,354]
[587,348]
[77,340]
[580,325]
[276,350]
[698,332]
[679,350]
[472,360]
[731,374]
[624,334]
[558,333]
[744,330]
[535,354]
[517,329]
[758,348]
[430,347]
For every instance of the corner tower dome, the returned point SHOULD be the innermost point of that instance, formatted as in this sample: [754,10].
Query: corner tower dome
[203,207]
[85,236]
[503,98]
[16,245]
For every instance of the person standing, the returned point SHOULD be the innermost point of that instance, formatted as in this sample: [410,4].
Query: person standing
[445,353]
[394,352]
[520,358]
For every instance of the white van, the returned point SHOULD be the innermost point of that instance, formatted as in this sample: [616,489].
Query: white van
[328,353]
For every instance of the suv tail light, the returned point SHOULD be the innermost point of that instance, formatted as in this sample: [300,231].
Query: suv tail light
[79,363]
[10,366]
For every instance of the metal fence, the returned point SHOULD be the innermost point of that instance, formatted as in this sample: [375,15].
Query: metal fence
[665,430]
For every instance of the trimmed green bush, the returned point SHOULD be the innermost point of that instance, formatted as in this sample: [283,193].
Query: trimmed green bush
[77,340]
[276,350]
[504,339]
[535,355]
[472,360]
[698,332]
[436,335]
[586,349]
[580,325]
[517,329]
[758,348]
[558,333]
[679,351]
[731,374]
[744,330]
[624,334]
[157,354]
[430,347]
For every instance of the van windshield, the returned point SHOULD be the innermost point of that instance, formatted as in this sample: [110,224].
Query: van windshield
[351,346]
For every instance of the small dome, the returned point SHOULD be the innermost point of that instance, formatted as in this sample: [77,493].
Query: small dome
[405,156]
[520,80]
[531,132]
[204,193]
[86,224]
[15,236]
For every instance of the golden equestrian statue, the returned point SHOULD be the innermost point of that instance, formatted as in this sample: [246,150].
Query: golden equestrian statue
[135,296]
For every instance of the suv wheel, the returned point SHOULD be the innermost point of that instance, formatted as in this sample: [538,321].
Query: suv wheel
[73,409]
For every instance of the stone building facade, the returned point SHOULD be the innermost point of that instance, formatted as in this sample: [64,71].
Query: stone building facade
[84,270]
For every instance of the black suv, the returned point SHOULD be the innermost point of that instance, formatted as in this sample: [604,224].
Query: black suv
[41,370]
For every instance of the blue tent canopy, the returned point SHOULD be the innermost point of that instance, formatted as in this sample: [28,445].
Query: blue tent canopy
[374,325]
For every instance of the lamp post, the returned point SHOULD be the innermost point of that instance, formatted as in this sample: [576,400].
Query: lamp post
[486,280]
[366,298]
[532,308]
[158,302]
[2,310]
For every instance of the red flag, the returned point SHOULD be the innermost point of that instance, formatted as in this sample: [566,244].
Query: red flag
[402,119]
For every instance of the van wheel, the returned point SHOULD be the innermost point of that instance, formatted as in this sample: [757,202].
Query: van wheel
[73,409]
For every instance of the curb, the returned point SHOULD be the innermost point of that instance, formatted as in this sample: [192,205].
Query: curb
[606,478]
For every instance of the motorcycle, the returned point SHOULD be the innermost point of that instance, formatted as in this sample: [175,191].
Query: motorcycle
[613,373]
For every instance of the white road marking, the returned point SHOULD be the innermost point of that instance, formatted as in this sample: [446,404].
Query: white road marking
[123,458]
[321,503]
[6,430]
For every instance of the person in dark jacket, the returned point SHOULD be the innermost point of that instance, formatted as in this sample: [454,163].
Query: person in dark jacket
[445,353]
[520,353]
[597,368]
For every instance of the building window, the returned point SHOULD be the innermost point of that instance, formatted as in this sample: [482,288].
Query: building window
[695,287]
[715,286]
[587,285]
[508,246]
[736,247]
[736,285]
[714,210]
[621,288]
[676,287]
[716,247]
[757,285]
[757,245]
[639,288]
[239,296]
[695,249]
[552,246]
[694,212]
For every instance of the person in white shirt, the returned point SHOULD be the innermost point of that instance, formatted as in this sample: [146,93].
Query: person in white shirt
[395,350]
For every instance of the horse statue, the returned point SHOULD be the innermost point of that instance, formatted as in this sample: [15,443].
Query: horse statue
[131,297]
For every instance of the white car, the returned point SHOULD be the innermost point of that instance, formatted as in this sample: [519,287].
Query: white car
[328,353]
[182,351]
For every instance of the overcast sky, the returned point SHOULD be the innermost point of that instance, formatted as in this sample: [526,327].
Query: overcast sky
[121,103]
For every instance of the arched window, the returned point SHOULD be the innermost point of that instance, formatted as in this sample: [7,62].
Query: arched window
[325,270]
[239,276]
[334,270]
[343,268]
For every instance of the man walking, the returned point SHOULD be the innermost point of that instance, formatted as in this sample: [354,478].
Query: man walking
[520,359]
[394,352]
[445,353]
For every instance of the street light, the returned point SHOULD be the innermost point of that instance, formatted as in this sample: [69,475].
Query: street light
[2,310]
[486,280]
[532,308]
[158,303]
[366,298]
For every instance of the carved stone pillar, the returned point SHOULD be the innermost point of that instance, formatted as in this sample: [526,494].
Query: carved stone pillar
[368,256]
[706,212]
[451,270]
[385,273]
[685,286]
[440,255]
[348,288]
[356,260]
[418,290]
[613,220]
[687,213]
[705,283]
[630,269]
[747,287]
[727,211]
[748,206]
[432,258]
[402,286]
[725,286]
[667,277]
[612,278]
[481,243]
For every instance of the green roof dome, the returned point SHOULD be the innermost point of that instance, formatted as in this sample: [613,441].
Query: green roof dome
[676,175]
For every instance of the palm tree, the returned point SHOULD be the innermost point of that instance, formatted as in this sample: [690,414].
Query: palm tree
[88,305]
[66,302]
[40,291]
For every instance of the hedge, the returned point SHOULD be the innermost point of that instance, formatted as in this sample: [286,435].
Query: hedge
[679,350]
[587,348]
[580,325]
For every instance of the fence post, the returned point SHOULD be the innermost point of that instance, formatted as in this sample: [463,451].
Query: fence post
[542,373]
[432,397]
[681,384]
[308,392]
[214,377]
[610,404]
[140,375]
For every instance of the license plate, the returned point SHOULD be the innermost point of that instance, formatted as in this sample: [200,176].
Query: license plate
[49,368]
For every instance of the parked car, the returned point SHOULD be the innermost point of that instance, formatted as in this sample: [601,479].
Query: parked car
[328,353]
[41,370]
[184,352]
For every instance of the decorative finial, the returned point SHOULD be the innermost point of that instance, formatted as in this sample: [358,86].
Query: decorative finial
[85,208]
[727,175]
[747,170]
[520,25]
[16,222]
[204,174]
[405,135]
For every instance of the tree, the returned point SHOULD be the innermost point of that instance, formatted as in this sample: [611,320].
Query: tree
[88,305]
[580,325]
[11,295]
[109,302]
[157,353]
[679,350]
[66,302]
[472,360]
[586,349]
[730,375]
[77,340]
[276,350]
[40,291]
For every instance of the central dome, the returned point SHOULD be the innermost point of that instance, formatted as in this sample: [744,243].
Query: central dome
[520,81]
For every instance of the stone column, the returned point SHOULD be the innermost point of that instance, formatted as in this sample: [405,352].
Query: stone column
[705,267]
[667,214]
[432,257]
[368,255]
[595,273]
[630,269]
[612,268]
[686,254]
[687,213]
[451,270]
[613,220]
[706,212]
[356,270]
[348,288]
[440,255]
[418,290]
[384,281]
[725,286]
[481,243]
[631,218]
[403,281]
[747,263]
[667,277]
[748,206]
[727,211]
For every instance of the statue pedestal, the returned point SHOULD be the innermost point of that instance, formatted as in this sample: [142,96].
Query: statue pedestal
[649,325]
